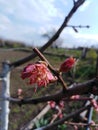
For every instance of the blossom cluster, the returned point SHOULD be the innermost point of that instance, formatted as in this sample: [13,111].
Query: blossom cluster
[38,73]
[57,106]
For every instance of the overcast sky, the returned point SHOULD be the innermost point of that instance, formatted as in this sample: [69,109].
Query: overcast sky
[27,20]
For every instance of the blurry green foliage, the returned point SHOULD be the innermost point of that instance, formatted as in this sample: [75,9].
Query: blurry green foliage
[92,54]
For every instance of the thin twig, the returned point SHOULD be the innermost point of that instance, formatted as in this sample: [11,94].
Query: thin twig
[74,2]
[80,124]
[61,121]
[78,26]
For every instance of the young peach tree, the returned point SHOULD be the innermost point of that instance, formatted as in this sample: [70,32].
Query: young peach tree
[42,73]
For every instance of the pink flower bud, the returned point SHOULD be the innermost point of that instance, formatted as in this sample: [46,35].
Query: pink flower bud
[52,104]
[61,104]
[20,91]
[94,104]
[60,115]
[75,97]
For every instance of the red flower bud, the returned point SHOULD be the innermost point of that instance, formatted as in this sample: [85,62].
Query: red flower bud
[67,64]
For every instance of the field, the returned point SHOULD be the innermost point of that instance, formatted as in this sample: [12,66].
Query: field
[20,115]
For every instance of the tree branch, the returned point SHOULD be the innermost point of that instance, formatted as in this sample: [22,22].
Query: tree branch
[80,89]
[55,36]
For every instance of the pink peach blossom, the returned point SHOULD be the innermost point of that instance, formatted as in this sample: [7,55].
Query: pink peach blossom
[37,73]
